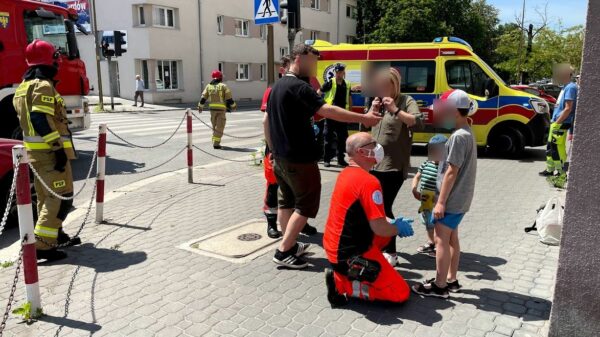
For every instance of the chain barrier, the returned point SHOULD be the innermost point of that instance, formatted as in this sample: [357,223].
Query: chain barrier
[61,197]
[13,289]
[157,166]
[83,223]
[227,159]
[225,134]
[153,146]
[11,196]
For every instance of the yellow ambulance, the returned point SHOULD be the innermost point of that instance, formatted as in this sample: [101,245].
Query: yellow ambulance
[506,120]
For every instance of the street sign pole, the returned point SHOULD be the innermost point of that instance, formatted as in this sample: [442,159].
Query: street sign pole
[266,12]
[110,83]
[97,40]
[270,55]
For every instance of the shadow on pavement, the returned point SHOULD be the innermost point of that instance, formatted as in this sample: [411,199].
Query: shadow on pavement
[237,149]
[483,298]
[70,323]
[102,260]
[470,262]
[113,166]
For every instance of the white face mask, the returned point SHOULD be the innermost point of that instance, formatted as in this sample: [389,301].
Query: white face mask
[376,153]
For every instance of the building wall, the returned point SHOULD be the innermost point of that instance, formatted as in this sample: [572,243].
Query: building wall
[195,62]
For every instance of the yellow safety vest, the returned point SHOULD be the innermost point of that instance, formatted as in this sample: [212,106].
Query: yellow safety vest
[330,95]
[215,94]
[40,96]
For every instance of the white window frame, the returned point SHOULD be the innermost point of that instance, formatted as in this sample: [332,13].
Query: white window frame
[165,16]
[141,15]
[263,32]
[314,35]
[350,39]
[283,51]
[242,68]
[315,4]
[353,11]
[244,27]
[220,24]
[221,66]
[177,74]
[263,68]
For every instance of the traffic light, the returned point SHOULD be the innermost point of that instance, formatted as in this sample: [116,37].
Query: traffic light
[291,17]
[120,40]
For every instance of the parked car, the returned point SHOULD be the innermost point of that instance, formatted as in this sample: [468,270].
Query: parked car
[6,176]
[549,88]
[538,92]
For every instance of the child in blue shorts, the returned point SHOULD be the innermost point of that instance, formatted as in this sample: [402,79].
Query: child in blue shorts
[456,185]
[424,189]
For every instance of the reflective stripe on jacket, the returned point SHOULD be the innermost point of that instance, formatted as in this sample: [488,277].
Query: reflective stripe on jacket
[330,95]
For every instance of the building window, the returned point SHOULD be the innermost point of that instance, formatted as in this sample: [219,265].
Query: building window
[241,27]
[350,39]
[263,69]
[283,51]
[165,17]
[220,66]
[145,74]
[141,16]
[167,76]
[315,4]
[351,12]
[263,32]
[220,20]
[314,35]
[243,72]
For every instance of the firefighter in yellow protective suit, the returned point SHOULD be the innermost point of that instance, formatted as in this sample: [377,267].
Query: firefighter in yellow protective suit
[49,145]
[219,98]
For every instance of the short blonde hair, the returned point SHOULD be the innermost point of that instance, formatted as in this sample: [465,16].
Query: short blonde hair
[393,75]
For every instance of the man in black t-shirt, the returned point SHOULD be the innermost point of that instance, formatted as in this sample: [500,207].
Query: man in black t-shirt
[290,136]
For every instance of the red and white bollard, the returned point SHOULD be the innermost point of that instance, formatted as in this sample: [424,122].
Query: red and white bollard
[190,153]
[26,226]
[101,170]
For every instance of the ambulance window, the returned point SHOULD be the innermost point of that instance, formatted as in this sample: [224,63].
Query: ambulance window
[417,76]
[467,76]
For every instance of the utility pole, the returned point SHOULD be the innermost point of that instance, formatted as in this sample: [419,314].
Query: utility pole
[98,49]
[521,29]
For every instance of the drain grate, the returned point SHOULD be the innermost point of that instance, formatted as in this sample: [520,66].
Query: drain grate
[249,237]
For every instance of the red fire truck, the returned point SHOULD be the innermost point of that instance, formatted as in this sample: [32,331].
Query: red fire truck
[22,21]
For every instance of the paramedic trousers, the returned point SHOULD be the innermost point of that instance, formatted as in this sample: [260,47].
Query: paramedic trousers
[217,119]
[556,149]
[389,285]
[51,210]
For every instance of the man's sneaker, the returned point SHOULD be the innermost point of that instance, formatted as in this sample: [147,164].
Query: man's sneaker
[546,173]
[50,254]
[335,299]
[301,248]
[430,289]
[272,232]
[392,259]
[427,249]
[289,260]
[309,230]
[454,286]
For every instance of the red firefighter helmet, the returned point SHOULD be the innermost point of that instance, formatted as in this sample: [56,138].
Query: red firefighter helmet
[217,75]
[40,53]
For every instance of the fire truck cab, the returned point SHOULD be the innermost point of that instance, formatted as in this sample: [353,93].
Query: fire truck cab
[506,120]
[22,21]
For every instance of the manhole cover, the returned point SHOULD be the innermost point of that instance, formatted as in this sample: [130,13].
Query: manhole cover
[249,237]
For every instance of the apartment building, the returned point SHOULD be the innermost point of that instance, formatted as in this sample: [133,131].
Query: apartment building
[175,45]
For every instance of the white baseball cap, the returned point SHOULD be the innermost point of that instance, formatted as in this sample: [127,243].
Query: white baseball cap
[457,99]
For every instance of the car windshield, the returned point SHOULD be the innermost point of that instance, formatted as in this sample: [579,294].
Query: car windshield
[50,30]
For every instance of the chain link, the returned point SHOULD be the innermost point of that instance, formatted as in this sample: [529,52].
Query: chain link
[153,146]
[157,166]
[225,134]
[11,195]
[13,289]
[227,159]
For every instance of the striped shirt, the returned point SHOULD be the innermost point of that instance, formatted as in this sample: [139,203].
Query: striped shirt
[429,171]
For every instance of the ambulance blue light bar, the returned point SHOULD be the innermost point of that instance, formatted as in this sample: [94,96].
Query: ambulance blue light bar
[453,39]
[309,42]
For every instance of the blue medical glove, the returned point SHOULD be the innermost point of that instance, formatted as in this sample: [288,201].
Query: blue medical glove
[404,226]
[316,129]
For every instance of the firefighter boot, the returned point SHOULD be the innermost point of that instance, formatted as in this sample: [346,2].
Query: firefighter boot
[272,231]
[50,254]
[64,238]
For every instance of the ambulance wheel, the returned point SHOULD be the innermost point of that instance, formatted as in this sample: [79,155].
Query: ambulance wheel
[507,142]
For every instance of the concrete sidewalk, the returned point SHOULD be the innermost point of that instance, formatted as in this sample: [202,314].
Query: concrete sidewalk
[130,278]
[126,105]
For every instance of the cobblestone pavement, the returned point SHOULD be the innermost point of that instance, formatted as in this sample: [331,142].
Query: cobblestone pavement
[129,279]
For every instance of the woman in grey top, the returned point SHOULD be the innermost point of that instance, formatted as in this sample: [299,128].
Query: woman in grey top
[401,115]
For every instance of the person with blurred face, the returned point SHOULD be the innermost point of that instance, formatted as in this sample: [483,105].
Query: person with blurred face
[292,105]
[562,121]
[357,230]
[401,115]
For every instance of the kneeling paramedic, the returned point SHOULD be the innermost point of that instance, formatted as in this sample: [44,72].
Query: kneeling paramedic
[357,230]
[47,138]
[219,98]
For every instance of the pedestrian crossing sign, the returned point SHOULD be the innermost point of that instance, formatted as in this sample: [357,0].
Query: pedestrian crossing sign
[266,11]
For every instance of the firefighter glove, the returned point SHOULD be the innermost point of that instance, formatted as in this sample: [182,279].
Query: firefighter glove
[61,160]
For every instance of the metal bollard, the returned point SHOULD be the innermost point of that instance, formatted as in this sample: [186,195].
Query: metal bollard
[101,167]
[26,226]
[190,153]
